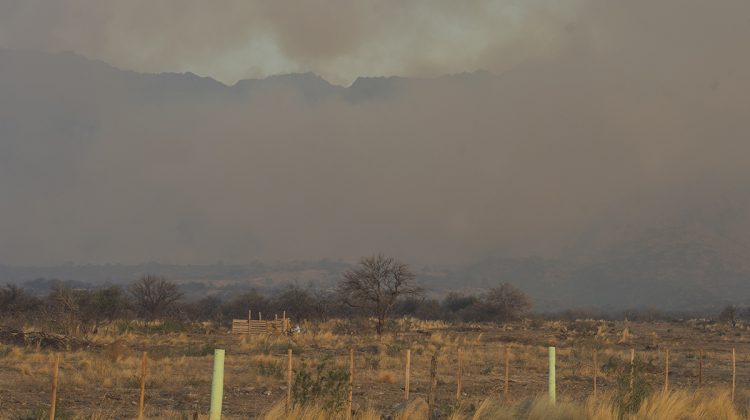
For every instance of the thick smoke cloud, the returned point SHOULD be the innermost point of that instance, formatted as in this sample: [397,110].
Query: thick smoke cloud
[628,113]
[338,39]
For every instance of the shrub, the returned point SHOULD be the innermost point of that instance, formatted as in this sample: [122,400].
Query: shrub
[324,387]
[632,385]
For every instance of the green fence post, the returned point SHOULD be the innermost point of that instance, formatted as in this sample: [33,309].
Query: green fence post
[552,385]
[217,385]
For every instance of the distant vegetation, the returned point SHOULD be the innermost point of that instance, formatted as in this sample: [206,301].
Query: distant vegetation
[376,310]
[68,309]
[379,287]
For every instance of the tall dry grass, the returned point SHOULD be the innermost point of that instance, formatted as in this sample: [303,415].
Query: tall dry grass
[677,405]
[313,412]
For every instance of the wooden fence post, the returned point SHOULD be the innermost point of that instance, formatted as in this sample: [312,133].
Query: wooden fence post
[552,385]
[507,373]
[658,359]
[350,397]
[142,384]
[55,375]
[407,374]
[217,385]
[431,397]
[666,370]
[700,369]
[632,369]
[596,372]
[734,373]
[283,323]
[459,377]
[288,380]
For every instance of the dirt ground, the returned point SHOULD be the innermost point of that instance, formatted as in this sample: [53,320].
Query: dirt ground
[103,382]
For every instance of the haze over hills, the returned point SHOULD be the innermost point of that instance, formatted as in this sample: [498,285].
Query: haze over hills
[574,178]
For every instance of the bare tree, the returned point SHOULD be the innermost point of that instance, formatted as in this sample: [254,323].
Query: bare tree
[153,296]
[730,314]
[375,285]
[68,302]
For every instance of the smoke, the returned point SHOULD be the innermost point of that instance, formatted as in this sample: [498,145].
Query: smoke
[338,39]
[592,108]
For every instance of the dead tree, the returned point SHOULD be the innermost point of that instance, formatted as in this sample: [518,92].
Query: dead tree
[153,296]
[376,284]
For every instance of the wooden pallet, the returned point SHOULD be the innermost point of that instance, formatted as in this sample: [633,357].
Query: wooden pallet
[244,326]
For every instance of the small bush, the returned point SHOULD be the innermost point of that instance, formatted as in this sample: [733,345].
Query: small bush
[269,366]
[394,349]
[323,386]
[199,351]
[387,377]
[372,362]
[632,385]
[5,350]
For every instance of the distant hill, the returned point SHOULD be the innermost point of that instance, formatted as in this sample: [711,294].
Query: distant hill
[196,280]
[555,182]
[666,269]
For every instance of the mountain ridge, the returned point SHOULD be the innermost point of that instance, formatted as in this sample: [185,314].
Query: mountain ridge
[78,134]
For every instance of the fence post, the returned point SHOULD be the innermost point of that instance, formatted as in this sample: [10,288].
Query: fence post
[141,404]
[53,402]
[288,380]
[666,370]
[734,373]
[632,369]
[658,358]
[407,374]
[217,385]
[700,369]
[350,397]
[596,372]
[507,373]
[249,321]
[433,386]
[459,377]
[552,386]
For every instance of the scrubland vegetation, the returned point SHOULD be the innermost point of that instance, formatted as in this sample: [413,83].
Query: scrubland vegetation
[379,314]
[101,382]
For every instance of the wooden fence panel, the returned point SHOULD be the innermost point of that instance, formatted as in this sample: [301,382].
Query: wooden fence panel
[244,326]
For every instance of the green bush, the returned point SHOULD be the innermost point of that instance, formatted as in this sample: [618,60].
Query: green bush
[372,361]
[394,349]
[632,384]
[323,386]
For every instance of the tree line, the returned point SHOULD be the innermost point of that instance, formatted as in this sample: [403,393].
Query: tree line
[379,287]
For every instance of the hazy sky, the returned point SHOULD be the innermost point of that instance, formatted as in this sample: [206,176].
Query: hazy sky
[338,39]
[594,111]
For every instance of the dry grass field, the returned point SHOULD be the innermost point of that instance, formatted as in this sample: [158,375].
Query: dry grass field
[103,382]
